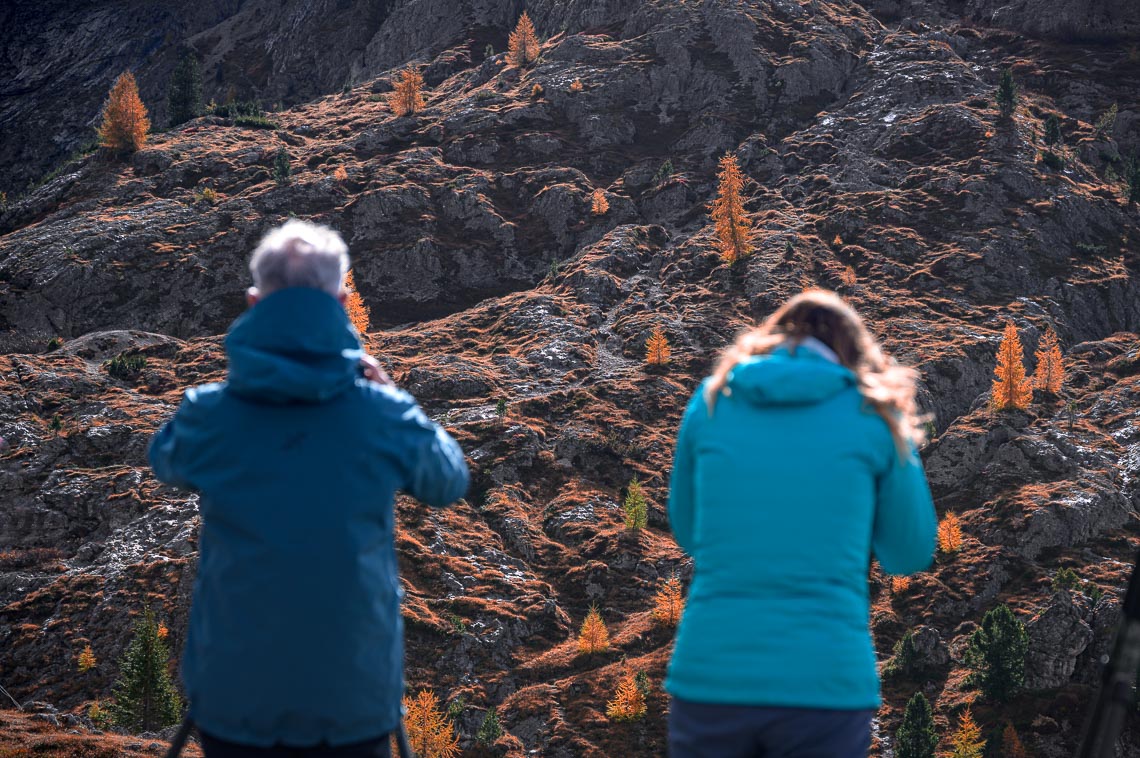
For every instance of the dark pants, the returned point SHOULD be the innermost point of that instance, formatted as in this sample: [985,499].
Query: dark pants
[700,730]
[212,747]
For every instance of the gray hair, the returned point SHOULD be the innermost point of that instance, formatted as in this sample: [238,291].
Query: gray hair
[299,254]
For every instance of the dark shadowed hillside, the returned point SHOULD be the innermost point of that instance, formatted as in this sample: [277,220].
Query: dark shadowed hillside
[877,164]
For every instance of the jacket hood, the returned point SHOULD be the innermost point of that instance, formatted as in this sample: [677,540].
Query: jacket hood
[295,345]
[781,378]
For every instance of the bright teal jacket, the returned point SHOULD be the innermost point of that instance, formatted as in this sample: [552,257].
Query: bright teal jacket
[781,495]
[295,634]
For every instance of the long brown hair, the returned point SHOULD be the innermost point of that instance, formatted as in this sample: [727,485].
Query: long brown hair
[887,387]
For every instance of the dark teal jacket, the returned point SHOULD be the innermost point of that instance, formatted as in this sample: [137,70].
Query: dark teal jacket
[781,495]
[295,634]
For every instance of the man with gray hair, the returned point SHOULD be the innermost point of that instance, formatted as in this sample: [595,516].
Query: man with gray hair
[295,641]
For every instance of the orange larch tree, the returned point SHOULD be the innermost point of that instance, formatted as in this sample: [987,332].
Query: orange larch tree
[1011,746]
[430,733]
[86,660]
[899,584]
[950,533]
[407,95]
[629,701]
[733,230]
[593,637]
[125,121]
[657,350]
[522,44]
[354,306]
[1010,389]
[1050,373]
[576,86]
[598,204]
[669,602]
[967,742]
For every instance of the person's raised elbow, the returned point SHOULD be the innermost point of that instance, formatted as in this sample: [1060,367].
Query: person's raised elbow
[443,477]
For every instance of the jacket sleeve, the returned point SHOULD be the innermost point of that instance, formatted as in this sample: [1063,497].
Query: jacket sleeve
[436,470]
[681,483]
[905,522]
[172,449]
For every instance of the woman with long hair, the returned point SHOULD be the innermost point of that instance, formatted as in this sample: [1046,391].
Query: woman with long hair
[796,461]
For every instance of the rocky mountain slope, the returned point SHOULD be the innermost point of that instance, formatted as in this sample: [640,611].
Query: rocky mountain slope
[878,165]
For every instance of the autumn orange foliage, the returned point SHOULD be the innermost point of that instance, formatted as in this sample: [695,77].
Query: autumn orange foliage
[340,174]
[733,231]
[950,533]
[86,660]
[162,631]
[1050,373]
[430,733]
[576,86]
[629,701]
[407,96]
[657,350]
[899,584]
[669,602]
[522,44]
[354,306]
[967,742]
[125,122]
[599,205]
[1011,746]
[1010,389]
[593,637]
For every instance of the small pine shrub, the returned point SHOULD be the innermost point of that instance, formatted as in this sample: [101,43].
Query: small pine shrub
[1052,160]
[1052,134]
[1107,122]
[490,730]
[456,707]
[916,737]
[125,367]
[537,91]
[55,343]
[99,716]
[489,51]
[3,202]
[206,195]
[904,658]
[145,697]
[1006,93]
[236,109]
[501,409]
[184,97]
[282,170]
[966,742]
[1011,746]
[256,122]
[635,507]
[663,173]
[1066,579]
[56,424]
[996,654]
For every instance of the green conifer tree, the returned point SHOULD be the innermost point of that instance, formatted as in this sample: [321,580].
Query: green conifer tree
[282,170]
[1052,130]
[145,697]
[1006,93]
[636,509]
[916,737]
[489,730]
[904,659]
[996,654]
[184,99]
[1132,174]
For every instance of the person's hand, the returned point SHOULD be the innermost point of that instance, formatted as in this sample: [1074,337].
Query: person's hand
[374,371]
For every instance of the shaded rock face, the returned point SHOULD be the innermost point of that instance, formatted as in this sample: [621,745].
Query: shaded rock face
[1058,19]
[876,165]
[1058,636]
